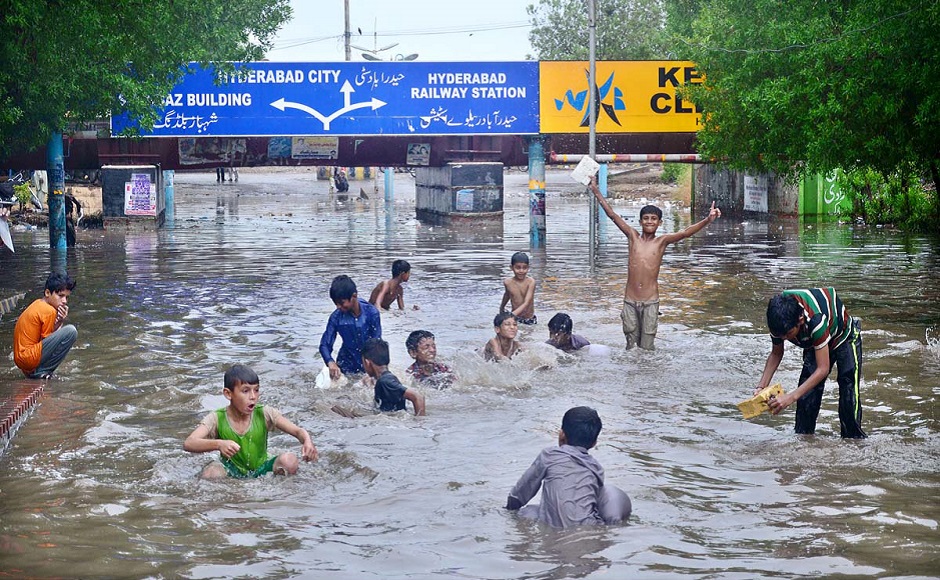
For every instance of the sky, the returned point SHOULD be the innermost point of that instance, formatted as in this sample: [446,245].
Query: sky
[435,30]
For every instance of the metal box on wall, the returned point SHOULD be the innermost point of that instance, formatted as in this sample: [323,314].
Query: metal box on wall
[132,196]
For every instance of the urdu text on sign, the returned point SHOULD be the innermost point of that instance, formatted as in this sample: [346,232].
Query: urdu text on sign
[346,98]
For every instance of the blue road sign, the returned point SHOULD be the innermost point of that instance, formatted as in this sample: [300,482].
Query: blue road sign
[346,98]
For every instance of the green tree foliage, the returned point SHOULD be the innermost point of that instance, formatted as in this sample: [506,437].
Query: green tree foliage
[810,86]
[625,30]
[74,61]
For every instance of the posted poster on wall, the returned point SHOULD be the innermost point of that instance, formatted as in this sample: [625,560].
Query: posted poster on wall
[419,154]
[755,193]
[464,200]
[140,195]
[314,147]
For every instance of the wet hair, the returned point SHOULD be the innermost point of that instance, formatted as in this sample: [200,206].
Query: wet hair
[581,425]
[561,322]
[503,317]
[783,314]
[400,267]
[519,257]
[415,338]
[342,288]
[57,282]
[239,374]
[651,209]
[375,350]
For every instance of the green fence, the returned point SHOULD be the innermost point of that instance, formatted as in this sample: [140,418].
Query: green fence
[820,195]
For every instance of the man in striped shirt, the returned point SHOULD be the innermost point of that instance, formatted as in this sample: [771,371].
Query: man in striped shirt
[816,321]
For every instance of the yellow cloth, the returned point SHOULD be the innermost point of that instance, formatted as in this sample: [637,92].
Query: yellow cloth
[758,403]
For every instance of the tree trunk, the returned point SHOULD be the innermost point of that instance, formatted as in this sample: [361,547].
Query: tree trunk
[935,173]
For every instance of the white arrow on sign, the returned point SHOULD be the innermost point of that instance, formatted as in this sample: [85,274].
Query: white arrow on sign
[347,91]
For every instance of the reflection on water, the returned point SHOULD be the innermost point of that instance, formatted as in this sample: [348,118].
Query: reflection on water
[96,482]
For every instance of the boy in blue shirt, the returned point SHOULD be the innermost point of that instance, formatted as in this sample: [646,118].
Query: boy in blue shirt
[355,320]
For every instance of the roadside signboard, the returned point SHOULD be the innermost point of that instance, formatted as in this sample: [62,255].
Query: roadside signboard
[346,98]
[634,97]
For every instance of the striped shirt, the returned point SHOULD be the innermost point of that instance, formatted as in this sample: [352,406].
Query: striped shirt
[827,321]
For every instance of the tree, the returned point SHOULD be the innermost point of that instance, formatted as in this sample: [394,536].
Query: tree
[625,30]
[77,60]
[811,86]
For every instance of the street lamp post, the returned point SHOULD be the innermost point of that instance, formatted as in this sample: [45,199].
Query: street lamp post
[592,114]
[348,33]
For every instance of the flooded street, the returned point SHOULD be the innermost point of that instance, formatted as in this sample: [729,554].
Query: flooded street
[96,482]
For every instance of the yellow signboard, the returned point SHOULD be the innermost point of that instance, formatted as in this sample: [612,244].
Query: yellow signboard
[634,97]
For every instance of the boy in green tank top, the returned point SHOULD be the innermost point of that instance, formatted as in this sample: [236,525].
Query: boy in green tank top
[239,432]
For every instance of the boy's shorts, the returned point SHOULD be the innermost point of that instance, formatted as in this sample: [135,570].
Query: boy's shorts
[533,320]
[640,322]
[266,467]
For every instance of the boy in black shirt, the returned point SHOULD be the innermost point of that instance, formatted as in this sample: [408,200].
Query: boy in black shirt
[390,394]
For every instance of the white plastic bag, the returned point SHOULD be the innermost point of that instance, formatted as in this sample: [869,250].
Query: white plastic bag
[586,169]
[323,379]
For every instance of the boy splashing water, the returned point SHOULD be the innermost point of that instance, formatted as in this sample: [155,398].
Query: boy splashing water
[239,432]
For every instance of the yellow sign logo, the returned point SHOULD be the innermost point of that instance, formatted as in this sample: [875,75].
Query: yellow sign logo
[630,97]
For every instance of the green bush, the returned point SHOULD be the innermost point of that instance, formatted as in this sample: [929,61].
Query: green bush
[23,194]
[672,172]
[902,199]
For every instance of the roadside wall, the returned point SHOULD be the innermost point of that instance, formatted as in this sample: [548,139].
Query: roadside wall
[726,188]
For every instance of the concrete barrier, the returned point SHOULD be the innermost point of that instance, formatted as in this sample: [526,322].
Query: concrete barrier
[132,196]
[459,192]
[16,401]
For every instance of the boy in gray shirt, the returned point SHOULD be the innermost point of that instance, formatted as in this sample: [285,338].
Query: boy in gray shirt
[572,482]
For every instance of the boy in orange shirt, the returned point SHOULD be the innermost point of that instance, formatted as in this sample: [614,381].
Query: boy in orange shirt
[40,340]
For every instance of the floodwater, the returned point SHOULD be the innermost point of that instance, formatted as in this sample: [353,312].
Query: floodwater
[96,482]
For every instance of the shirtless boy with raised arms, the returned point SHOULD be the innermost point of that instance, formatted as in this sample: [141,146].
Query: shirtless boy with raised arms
[640,313]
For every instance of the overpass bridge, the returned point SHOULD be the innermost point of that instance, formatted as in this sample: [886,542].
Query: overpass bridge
[435,116]
[400,114]
[365,151]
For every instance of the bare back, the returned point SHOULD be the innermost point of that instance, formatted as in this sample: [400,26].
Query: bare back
[387,292]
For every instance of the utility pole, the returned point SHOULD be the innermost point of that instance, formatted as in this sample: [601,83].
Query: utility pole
[592,115]
[348,34]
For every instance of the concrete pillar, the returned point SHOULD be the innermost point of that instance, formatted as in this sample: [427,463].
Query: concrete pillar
[168,176]
[55,166]
[536,191]
[460,192]
[602,186]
